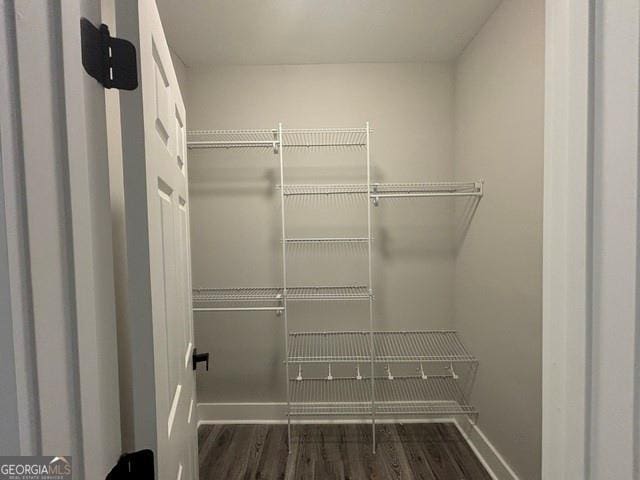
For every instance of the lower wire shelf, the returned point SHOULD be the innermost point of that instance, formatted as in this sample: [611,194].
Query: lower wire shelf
[438,395]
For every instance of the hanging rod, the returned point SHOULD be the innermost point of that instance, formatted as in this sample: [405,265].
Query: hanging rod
[327,240]
[233,139]
[231,144]
[238,309]
[429,189]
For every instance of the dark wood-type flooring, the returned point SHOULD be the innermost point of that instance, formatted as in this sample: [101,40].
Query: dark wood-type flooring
[405,451]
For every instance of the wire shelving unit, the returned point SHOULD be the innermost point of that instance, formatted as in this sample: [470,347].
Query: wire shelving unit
[325,137]
[360,396]
[237,299]
[264,138]
[390,347]
[329,347]
[426,189]
[324,189]
[350,292]
[437,395]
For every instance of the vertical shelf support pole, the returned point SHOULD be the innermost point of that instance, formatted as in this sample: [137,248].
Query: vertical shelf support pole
[371,324]
[284,285]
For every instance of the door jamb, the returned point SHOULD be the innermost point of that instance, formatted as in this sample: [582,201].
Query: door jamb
[61,277]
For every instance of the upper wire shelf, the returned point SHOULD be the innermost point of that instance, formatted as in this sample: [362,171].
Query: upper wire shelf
[389,347]
[420,346]
[250,294]
[426,189]
[390,190]
[233,139]
[328,293]
[321,347]
[237,299]
[269,138]
[326,189]
[326,240]
[324,137]
[263,298]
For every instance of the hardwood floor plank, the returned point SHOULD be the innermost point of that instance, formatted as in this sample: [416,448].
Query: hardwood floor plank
[440,461]
[391,461]
[355,448]
[255,451]
[273,460]
[418,461]
[340,452]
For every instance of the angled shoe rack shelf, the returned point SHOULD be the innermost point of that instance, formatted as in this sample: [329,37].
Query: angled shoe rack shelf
[424,394]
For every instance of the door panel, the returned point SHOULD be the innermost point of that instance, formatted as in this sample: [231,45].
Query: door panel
[166,214]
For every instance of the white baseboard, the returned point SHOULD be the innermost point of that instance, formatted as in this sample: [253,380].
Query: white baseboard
[490,457]
[275,413]
[239,413]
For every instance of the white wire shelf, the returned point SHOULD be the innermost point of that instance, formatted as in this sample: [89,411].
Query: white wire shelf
[389,347]
[336,347]
[420,346]
[237,299]
[340,396]
[434,395]
[325,189]
[268,138]
[250,294]
[324,137]
[390,190]
[264,138]
[427,189]
[328,293]
[305,241]
[263,298]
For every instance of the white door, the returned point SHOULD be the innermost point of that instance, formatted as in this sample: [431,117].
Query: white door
[157,237]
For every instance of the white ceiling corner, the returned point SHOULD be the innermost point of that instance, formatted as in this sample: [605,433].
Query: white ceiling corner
[212,32]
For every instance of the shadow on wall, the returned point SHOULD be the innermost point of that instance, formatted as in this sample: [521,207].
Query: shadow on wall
[463,221]
[236,180]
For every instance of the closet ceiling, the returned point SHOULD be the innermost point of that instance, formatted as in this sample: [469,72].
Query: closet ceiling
[209,32]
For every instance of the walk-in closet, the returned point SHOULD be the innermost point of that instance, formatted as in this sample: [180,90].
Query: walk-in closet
[365,185]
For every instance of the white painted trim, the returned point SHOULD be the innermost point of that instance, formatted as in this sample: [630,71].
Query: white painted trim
[91,249]
[566,239]
[61,275]
[44,162]
[17,349]
[613,443]
[488,454]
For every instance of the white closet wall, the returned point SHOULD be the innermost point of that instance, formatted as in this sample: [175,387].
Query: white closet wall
[499,118]
[235,208]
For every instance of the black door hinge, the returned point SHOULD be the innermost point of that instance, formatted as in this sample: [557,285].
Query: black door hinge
[136,465]
[110,60]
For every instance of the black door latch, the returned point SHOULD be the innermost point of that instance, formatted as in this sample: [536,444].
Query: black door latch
[200,357]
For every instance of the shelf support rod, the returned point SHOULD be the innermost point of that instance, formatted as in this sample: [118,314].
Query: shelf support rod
[284,285]
[371,321]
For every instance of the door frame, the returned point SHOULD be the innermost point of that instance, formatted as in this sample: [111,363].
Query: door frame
[57,243]
[591,347]
[577,267]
